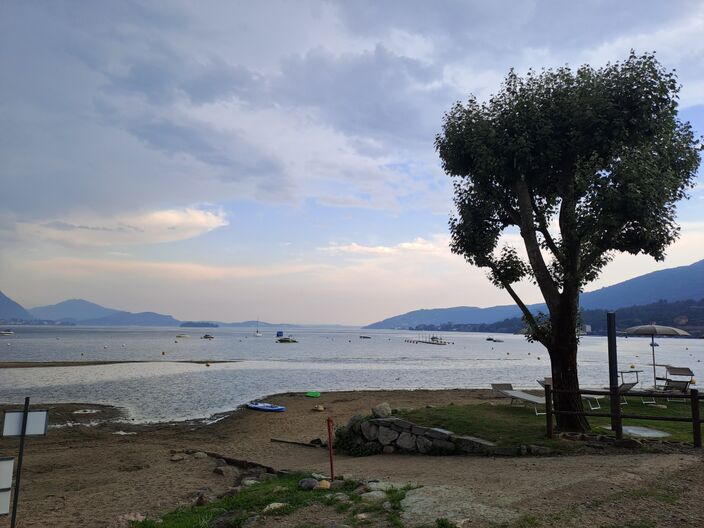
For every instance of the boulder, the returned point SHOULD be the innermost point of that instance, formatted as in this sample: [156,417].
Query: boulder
[443,445]
[373,496]
[423,444]
[383,410]
[177,458]
[227,471]
[250,482]
[386,435]
[199,454]
[319,408]
[406,441]
[388,450]
[307,483]
[471,444]
[369,430]
[323,484]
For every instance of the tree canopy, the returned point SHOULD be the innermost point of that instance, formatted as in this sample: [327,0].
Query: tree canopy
[585,163]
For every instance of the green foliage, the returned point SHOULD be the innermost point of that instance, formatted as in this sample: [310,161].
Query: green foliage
[442,522]
[599,152]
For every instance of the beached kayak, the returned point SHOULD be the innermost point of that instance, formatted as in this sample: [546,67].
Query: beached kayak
[266,407]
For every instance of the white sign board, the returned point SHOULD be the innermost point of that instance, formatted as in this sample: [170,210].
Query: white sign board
[37,422]
[6,466]
[4,502]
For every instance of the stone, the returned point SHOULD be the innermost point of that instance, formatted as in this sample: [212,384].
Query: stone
[319,408]
[439,434]
[363,516]
[353,423]
[406,441]
[200,454]
[274,506]
[629,443]
[319,476]
[177,458]
[503,451]
[250,521]
[539,450]
[360,489]
[423,444]
[369,430]
[347,477]
[323,484]
[341,497]
[418,430]
[388,450]
[220,462]
[249,482]
[422,506]
[175,451]
[471,444]
[443,445]
[373,496]
[226,520]
[387,506]
[307,483]
[201,499]
[383,410]
[337,484]
[382,486]
[386,435]
[227,471]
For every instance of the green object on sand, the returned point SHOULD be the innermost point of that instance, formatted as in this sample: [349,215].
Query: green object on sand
[313,394]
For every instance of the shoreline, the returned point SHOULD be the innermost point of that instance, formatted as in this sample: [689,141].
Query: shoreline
[54,364]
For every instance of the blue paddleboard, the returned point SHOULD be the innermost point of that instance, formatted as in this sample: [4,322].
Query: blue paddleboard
[266,407]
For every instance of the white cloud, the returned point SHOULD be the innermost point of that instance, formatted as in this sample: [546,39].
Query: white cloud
[152,227]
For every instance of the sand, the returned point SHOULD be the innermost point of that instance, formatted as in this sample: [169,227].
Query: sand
[87,476]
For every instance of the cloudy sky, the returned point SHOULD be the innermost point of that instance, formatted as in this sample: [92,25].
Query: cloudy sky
[233,160]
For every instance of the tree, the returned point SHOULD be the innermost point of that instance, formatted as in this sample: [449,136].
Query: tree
[584,163]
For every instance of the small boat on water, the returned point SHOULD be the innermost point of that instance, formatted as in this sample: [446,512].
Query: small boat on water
[365,337]
[288,339]
[257,333]
[6,332]
[266,407]
[432,340]
[279,333]
[208,336]
[182,336]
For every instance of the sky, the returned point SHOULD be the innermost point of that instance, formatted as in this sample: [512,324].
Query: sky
[240,160]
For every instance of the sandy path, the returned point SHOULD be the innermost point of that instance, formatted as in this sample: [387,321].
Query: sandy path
[87,476]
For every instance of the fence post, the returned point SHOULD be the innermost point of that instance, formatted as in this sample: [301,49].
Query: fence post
[616,424]
[548,409]
[696,420]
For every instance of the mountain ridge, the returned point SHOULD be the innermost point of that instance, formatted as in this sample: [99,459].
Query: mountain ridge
[671,284]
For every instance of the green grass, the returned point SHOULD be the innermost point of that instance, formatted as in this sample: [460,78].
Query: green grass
[248,502]
[512,426]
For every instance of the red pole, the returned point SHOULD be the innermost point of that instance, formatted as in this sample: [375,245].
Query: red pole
[332,467]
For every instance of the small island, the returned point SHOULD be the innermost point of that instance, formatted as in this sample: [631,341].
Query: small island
[198,324]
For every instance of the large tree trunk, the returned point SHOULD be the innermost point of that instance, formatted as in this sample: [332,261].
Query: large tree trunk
[563,359]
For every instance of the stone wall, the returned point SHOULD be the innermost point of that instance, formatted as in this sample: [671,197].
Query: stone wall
[394,435]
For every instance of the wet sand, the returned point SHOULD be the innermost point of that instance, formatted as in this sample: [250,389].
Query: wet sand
[38,364]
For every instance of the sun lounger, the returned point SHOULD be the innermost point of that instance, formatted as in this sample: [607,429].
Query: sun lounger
[498,387]
[592,399]
[623,389]
[525,399]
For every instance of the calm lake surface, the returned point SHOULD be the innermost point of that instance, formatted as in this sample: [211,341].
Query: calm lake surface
[323,360]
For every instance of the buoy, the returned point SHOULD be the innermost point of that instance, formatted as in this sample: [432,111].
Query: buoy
[105,346]
[163,353]
[207,364]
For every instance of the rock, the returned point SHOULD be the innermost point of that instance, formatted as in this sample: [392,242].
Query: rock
[423,444]
[199,454]
[503,451]
[353,423]
[248,482]
[347,477]
[383,410]
[439,434]
[190,451]
[363,516]
[225,520]
[274,506]
[388,450]
[369,430]
[250,521]
[319,476]
[220,462]
[629,443]
[387,506]
[382,486]
[175,451]
[539,450]
[307,483]
[406,441]
[471,444]
[323,484]
[386,435]
[337,484]
[360,489]
[234,490]
[373,496]
[319,408]
[201,499]
[177,458]
[418,430]
[443,445]
[267,476]
[227,471]
[341,497]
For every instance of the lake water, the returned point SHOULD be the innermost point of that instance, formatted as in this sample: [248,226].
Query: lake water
[322,360]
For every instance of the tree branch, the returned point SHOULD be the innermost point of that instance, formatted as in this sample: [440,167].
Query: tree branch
[546,284]
[543,228]
[530,319]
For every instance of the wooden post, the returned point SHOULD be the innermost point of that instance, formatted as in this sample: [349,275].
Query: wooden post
[548,409]
[696,419]
[615,398]
[330,452]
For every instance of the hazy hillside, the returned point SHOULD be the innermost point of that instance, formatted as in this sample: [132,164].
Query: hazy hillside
[75,309]
[133,319]
[674,284]
[11,310]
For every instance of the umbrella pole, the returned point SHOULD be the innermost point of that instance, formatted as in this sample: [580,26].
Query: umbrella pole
[652,347]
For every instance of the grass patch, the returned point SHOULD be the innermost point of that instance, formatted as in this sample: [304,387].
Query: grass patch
[514,425]
[250,501]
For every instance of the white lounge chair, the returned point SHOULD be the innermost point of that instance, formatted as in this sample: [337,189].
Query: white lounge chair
[592,399]
[525,399]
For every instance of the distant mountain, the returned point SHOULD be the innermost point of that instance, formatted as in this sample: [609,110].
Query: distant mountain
[132,319]
[11,310]
[72,309]
[674,284]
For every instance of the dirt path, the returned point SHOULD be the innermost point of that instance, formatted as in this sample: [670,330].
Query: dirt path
[87,476]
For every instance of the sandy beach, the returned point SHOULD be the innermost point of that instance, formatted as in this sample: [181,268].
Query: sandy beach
[87,476]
